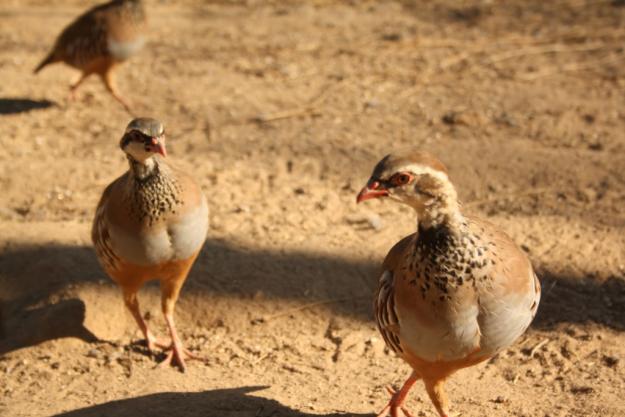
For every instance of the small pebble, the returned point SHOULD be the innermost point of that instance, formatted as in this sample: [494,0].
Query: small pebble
[375,221]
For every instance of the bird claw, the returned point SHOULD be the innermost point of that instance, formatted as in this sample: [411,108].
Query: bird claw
[384,411]
[177,355]
[153,342]
[393,405]
[406,412]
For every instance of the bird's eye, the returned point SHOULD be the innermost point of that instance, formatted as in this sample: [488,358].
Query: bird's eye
[401,179]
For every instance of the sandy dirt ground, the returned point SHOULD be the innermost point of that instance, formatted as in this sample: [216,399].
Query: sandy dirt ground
[280,110]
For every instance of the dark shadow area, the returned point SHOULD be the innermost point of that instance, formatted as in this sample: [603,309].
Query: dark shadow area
[579,301]
[225,269]
[36,282]
[233,402]
[516,16]
[33,326]
[35,302]
[2,333]
[21,105]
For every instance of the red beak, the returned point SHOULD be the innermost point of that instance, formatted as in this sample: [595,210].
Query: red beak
[372,190]
[158,147]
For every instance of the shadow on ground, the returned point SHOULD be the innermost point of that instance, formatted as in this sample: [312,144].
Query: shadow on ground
[21,105]
[566,300]
[36,283]
[218,403]
[516,17]
[41,288]
[29,327]
[35,300]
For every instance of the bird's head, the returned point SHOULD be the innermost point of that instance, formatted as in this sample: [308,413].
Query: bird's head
[417,179]
[143,138]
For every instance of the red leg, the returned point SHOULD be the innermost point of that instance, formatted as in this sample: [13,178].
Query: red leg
[130,298]
[111,86]
[74,85]
[398,398]
[436,391]
[177,352]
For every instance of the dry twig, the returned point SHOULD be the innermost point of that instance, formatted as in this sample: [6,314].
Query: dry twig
[538,346]
[547,49]
[286,114]
[575,66]
[311,305]
[310,109]
[536,191]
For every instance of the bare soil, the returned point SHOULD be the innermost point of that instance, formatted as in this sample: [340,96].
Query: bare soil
[281,109]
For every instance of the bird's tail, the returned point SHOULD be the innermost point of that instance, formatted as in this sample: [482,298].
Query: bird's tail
[48,60]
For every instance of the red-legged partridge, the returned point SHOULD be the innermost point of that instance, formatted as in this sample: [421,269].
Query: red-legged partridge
[98,40]
[150,224]
[455,292]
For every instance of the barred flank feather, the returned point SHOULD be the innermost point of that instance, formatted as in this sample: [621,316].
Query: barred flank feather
[385,315]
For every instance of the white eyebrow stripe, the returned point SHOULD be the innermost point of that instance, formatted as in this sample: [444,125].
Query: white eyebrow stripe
[424,170]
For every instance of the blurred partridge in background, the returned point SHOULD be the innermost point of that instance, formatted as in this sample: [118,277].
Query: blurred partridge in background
[99,40]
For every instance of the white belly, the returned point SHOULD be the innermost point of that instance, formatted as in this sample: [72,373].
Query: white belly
[121,51]
[440,339]
[178,241]
[188,235]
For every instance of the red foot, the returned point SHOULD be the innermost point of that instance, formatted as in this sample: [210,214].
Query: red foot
[177,355]
[394,404]
[153,342]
